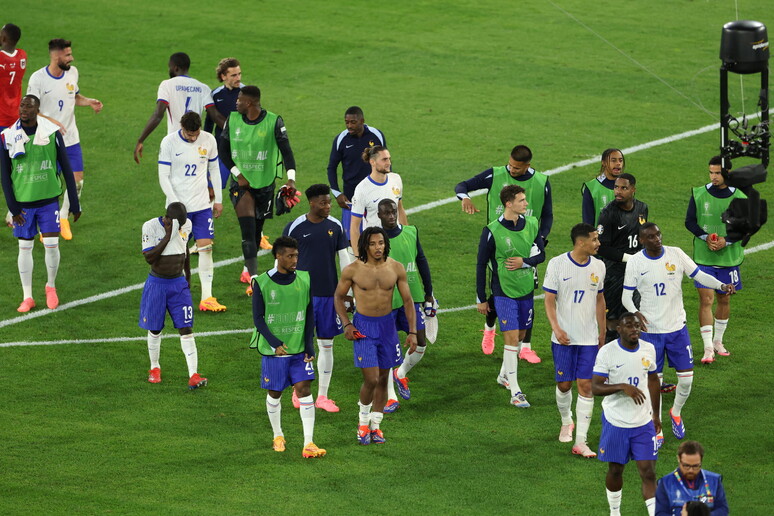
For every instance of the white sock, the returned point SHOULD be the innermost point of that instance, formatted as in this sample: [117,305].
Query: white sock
[391,387]
[502,370]
[584,407]
[614,501]
[206,270]
[64,211]
[410,361]
[376,420]
[25,264]
[650,504]
[324,365]
[706,336]
[720,329]
[274,409]
[661,398]
[188,343]
[525,345]
[307,417]
[564,404]
[511,363]
[154,349]
[488,328]
[684,383]
[52,259]
[364,414]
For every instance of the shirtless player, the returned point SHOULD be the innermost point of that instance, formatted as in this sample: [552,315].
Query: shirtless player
[373,277]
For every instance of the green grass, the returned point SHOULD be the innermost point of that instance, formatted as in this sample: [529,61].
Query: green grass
[454,87]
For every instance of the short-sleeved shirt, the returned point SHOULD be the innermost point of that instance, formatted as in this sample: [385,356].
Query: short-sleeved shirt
[12,69]
[576,287]
[368,194]
[187,164]
[659,282]
[57,99]
[621,365]
[153,232]
[183,94]
[318,244]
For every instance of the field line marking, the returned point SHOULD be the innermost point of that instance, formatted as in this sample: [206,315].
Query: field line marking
[749,250]
[415,209]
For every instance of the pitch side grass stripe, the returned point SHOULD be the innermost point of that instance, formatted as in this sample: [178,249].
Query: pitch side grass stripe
[415,209]
[750,250]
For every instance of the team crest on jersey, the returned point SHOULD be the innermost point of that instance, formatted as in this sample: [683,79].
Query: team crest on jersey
[330,232]
[23,63]
[70,87]
[642,220]
[670,267]
[395,191]
[371,143]
[183,235]
[265,379]
[594,280]
[504,321]
[560,373]
[359,359]
[202,151]
[600,229]
[645,363]
[601,451]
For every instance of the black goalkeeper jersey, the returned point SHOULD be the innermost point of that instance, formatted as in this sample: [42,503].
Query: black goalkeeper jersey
[619,231]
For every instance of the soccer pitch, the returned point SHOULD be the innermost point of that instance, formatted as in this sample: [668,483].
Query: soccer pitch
[453,87]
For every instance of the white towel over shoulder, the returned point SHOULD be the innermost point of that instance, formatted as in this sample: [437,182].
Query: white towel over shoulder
[15,137]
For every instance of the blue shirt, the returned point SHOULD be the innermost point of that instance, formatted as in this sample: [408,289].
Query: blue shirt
[317,247]
[673,492]
[348,150]
[225,102]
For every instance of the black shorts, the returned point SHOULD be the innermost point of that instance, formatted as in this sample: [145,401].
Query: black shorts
[613,291]
[263,197]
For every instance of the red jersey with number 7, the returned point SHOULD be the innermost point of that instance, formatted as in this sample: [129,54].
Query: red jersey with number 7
[12,68]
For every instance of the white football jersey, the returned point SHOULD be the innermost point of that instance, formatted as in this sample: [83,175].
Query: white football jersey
[184,168]
[368,193]
[153,232]
[183,94]
[620,365]
[576,287]
[660,284]
[57,99]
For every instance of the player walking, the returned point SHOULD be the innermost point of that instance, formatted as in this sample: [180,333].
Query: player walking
[320,238]
[657,273]
[186,158]
[347,149]
[575,307]
[406,250]
[625,374]
[32,150]
[252,142]
[715,254]
[510,246]
[619,229]
[167,289]
[56,85]
[537,189]
[283,334]
[373,278]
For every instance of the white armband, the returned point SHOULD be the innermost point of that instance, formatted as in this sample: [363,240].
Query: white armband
[235,171]
[291,174]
